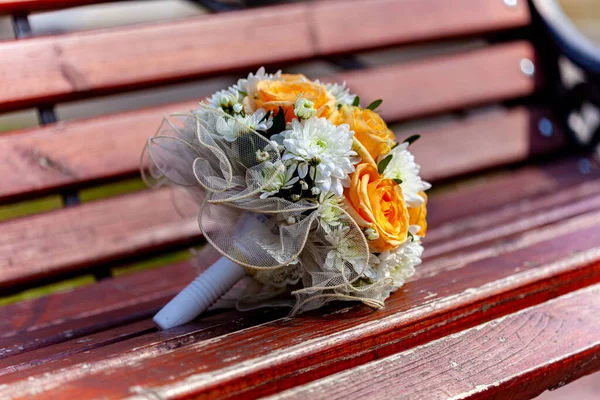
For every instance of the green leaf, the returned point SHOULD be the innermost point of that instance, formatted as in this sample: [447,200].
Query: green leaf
[339,106]
[356,102]
[243,93]
[411,237]
[396,145]
[374,105]
[412,139]
[383,164]
[398,181]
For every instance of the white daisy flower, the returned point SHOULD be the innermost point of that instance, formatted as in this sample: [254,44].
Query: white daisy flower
[247,86]
[342,249]
[322,151]
[402,166]
[340,92]
[232,128]
[398,264]
[227,100]
[329,211]
[284,179]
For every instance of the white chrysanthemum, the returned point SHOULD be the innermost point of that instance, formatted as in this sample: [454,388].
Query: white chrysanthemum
[247,86]
[232,128]
[340,92]
[284,179]
[329,210]
[398,264]
[402,166]
[322,150]
[343,249]
[229,99]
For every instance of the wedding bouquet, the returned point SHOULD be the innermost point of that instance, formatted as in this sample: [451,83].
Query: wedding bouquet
[297,186]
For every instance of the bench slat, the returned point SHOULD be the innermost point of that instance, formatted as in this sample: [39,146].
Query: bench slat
[57,156]
[52,69]
[41,322]
[447,83]
[524,212]
[387,22]
[137,336]
[26,6]
[39,160]
[518,357]
[500,138]
[72,66]
[97,232]
[316,345]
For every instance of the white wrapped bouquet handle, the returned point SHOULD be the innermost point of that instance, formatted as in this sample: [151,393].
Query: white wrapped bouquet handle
[199,295]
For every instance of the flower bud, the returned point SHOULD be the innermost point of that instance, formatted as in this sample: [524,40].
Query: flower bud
[237,107]
[371,234]
[304,109]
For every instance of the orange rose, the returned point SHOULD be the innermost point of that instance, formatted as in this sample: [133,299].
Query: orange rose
[377,203]
[293,78]
[283,93]
[418,216]
[370,130]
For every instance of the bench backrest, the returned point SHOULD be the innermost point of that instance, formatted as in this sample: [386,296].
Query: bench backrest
[499,66]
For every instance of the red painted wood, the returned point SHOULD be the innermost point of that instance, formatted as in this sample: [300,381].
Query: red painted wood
[290,352]
[79,237]
[42,160]
[135,338]
[59,68]
[386,22]
[38,160]
[36,323]
[26,6]
[83,237]
[518,357]
[86,343]
[509,188]
[478,143]
[38,342]
[447,83]
[42,322]
[497,236]
[331,17]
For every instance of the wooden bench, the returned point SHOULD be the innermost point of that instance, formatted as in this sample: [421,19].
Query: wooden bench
[505,303]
